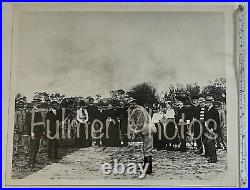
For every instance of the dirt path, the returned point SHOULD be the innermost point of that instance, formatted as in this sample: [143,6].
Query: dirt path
[86,164]
[82,164]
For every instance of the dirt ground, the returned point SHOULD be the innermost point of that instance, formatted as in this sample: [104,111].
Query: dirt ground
[86,163]
[20,162]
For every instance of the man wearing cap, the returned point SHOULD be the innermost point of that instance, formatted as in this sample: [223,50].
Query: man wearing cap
[140,123]
[51,118]
[212,121]
[35,128]
[199,127]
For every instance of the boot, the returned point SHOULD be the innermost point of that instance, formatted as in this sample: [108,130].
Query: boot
[148,159]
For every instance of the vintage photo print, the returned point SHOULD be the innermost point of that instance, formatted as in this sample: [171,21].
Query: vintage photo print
[125,94]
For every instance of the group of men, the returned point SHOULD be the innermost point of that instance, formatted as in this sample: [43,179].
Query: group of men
[108,126]
[212,120]
[207,127]
[33,123]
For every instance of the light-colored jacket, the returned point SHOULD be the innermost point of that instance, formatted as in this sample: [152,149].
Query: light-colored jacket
[141,121]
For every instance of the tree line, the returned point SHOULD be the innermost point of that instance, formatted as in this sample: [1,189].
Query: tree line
[144,93]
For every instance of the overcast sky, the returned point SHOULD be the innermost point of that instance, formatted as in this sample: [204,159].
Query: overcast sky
[81,54]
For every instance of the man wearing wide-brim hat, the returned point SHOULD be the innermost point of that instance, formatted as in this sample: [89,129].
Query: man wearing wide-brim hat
[212,121]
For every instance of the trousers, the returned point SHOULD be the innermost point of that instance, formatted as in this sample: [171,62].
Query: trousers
[53,149]
[34,148]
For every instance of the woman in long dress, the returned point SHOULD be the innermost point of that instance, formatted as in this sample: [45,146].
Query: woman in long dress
[111,130]
[158,119]
[171,128]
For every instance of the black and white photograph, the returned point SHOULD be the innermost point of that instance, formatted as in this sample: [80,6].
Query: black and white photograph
[132,96]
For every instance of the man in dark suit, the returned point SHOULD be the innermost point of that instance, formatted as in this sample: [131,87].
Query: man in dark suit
[212,120]
[52,117]
[93,113]
[35,128]
[123,118]
[199,114]
[111,129]
[183,118]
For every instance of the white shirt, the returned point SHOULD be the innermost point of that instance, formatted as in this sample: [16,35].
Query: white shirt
[210,107]
[170,113]
[157,117]
[80,117]
[54,111]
